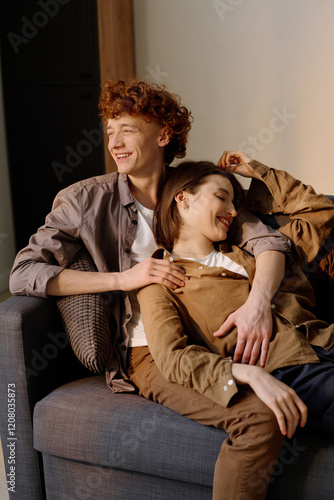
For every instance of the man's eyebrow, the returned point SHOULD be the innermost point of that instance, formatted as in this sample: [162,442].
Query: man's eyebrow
[132,125]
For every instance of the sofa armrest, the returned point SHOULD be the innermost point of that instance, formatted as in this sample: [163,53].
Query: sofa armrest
[35,358]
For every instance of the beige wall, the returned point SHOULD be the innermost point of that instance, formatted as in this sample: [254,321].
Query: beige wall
[257,75]
[7,246]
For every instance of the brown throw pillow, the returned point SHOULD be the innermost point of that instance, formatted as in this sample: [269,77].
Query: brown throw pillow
[87,321]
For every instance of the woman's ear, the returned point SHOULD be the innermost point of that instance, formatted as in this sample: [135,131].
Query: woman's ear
[165,136]
[182,199]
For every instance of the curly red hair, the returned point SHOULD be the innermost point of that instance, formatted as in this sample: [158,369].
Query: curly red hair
[152,102]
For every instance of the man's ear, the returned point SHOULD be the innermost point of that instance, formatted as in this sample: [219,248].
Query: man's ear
[181,199]
[165,136]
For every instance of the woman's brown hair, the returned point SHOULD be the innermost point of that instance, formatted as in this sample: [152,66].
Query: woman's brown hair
[153,103]
[189,176]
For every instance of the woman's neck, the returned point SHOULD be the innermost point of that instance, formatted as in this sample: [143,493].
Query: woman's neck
[192,249]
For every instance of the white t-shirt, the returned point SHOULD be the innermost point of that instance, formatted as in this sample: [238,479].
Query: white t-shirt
[143,247]
[218,259]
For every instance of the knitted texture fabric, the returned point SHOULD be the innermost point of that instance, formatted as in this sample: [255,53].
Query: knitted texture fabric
[87,321]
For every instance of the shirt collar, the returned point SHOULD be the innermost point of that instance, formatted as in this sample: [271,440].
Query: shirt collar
[126,197]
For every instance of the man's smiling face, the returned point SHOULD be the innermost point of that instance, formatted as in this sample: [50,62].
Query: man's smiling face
[137,146]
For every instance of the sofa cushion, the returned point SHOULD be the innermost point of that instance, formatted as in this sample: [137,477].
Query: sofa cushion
[85,422]
[88,321]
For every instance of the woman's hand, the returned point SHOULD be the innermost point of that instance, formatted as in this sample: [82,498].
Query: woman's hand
[237,162]
[151,271]
[287,406]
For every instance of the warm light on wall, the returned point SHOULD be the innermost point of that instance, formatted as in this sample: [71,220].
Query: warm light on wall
[239,66]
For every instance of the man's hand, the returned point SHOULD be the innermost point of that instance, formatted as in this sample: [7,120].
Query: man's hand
[151,271]
[288,408]
[254,318]
[237,162]
[254,326]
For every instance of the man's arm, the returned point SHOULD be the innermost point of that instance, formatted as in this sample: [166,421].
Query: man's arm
[70,282]
[40,269]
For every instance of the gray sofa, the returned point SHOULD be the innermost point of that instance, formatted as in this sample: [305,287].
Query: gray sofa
[68,437]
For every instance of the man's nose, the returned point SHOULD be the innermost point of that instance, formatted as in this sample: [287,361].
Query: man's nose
[116,140]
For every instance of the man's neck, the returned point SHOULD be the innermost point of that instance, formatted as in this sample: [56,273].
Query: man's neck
[145,190]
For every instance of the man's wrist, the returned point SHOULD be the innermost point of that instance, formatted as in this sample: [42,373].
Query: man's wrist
[260,298]
[116,281]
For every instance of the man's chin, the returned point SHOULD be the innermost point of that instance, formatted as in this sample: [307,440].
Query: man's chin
[124,168]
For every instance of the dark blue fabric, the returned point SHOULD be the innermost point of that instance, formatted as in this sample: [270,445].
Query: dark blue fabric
[314,384]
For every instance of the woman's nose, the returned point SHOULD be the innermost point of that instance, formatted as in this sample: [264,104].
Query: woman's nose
[232,211]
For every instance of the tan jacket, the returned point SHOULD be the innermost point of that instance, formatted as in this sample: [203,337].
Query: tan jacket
[179,324]
[308,220]
[311,216]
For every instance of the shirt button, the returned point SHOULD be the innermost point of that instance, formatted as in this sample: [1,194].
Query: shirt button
[225,387]
[171,259]
[128,316]
[123,348]
[273,306]
[135,222]
[201,267]
[223,274]
[230,382]
[127,250]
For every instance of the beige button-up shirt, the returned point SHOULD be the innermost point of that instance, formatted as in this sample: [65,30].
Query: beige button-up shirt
[179,324]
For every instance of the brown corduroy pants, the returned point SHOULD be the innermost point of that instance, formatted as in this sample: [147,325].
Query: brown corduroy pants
[254,440]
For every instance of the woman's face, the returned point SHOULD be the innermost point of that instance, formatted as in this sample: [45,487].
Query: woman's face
[210,211]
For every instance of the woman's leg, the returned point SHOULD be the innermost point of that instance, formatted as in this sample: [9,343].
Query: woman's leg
[254,440]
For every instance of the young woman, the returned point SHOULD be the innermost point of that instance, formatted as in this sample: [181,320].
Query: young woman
[192,219]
